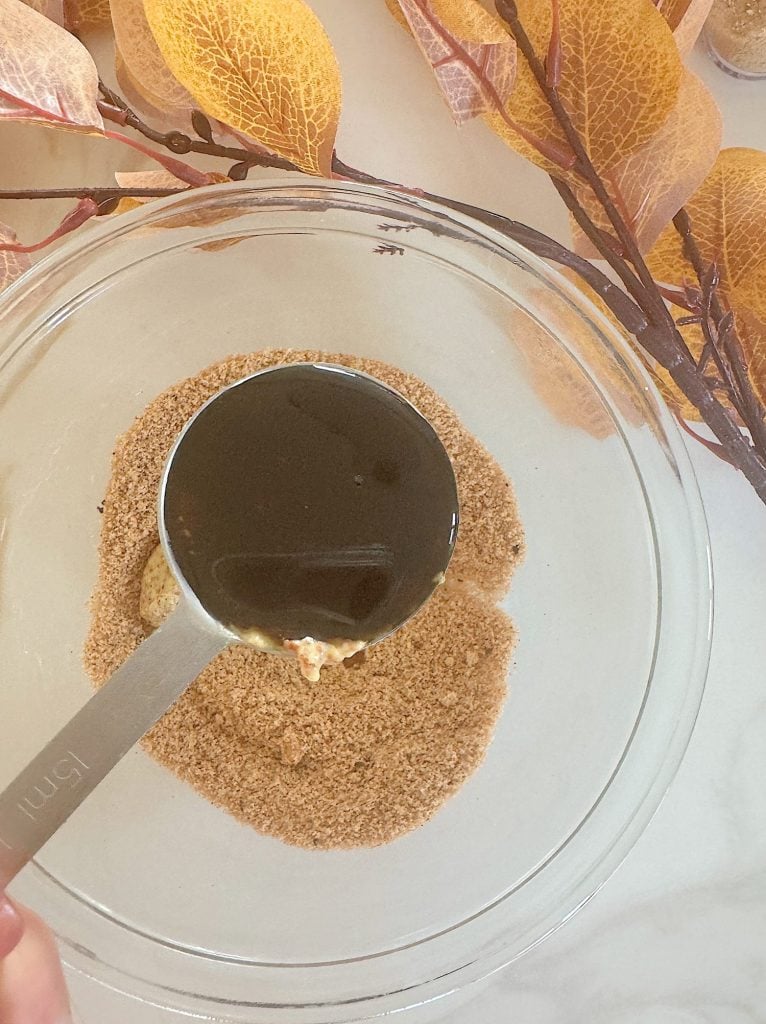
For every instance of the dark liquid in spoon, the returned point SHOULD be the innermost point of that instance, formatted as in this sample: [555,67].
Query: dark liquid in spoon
[311,501]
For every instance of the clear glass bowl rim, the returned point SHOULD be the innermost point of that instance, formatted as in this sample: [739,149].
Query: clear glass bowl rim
[19,301]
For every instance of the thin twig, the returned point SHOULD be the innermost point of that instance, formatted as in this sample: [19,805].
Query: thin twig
[551,150]
[180,143]
[711,349]
[644,315]
[717,449]
[99,194]
[661,338]
[653,302]
[751,410]
[624,308]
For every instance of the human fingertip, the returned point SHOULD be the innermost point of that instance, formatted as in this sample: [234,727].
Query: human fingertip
[11,927]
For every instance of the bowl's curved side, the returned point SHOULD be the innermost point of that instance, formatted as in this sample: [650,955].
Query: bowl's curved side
[645,443]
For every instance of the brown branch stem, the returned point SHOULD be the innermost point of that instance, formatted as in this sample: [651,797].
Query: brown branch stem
[99,194]
[623,307]
[650,300]
[644,314]
[180,143]
[749,407]
[618,265]
[661,338]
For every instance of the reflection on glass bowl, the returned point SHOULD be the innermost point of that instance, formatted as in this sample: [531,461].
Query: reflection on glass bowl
[159,895]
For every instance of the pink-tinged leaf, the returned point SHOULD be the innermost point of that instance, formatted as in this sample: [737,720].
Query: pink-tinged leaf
[161,179]
[470,52]
[135,97]
[45,73]
[12,264]
[143,179]
[138,59]
[85,209]
[652,184]
[153,179]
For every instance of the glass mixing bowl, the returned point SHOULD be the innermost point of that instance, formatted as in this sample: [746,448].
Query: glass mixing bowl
[159,895]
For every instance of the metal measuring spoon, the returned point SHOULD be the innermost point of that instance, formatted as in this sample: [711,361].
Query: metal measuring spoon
[307,500]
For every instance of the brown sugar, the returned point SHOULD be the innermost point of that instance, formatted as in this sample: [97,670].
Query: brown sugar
[376,747]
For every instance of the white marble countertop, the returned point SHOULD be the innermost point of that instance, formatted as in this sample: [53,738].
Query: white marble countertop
[678,935]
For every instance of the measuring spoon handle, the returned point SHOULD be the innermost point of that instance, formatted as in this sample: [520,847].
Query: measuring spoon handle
[60,777]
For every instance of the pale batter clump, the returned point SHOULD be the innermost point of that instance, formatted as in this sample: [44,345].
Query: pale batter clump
[378,744]
[160,594]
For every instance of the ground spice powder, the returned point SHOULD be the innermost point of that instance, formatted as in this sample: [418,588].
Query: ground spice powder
[378,745]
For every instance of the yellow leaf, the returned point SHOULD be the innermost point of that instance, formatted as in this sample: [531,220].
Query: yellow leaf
[752,334]
[652,184]
[137,99]
[186,219]
[264,67]
[751,291]
[161,179]
[686,18]
[472,56]
[620,75]
[138,58]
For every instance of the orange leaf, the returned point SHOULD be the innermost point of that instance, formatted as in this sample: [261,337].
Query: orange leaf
[264,67]
[751,291]
[185,219]
[12,264]
[750,320]
[751,330]
[620,75]
[138,59]
[45,73]
[652,184]
[728,216]
[558,378]
[87,13]
[677,401]
[472,56]
[686,18]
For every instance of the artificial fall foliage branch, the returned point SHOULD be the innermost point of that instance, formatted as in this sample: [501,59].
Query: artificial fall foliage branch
[267,70]
[593,91]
